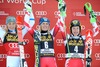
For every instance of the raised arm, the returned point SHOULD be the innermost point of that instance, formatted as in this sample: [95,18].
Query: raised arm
[92,18]
[61,18]
[55,29]
[29,20]
[29,17]
[62,9]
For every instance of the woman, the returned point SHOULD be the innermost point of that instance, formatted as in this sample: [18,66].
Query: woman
[75,42]
[9,37]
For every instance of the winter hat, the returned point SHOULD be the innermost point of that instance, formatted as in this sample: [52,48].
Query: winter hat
[73,23]
[44,19]
[10,19]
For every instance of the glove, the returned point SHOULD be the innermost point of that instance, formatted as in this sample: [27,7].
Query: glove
[28,6]
[89,59]
[92,15]
[62,8]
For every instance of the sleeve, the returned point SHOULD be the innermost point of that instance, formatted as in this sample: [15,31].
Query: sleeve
[2,34]
[60,26]
[29,20]
[62,14]
[31,32]
[55,29]
[24,31]
[63,28]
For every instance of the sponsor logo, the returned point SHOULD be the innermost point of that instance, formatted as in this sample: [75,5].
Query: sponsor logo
[97,13]
[61,55]
[97,42]
[59,41]
[3,55]
[78,14]
[26,40]
[40,13]
[13,45]
[3,13]
[97,56]
[20,12]
[27,55]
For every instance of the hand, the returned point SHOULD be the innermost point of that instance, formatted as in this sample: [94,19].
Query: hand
[62,8]
[92,14]
[88,6]
[28,6]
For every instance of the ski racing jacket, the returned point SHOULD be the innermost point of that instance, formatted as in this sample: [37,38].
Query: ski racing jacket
[75,45]
[46,40]
[10,41]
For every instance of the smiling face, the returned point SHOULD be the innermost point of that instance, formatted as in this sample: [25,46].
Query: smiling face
[44,26]
[75,30]
[11,26]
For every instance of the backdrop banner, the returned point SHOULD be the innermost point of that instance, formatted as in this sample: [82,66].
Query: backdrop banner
[49,8]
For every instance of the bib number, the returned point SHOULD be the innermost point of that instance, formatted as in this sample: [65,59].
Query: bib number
[76,49]
[46,45]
